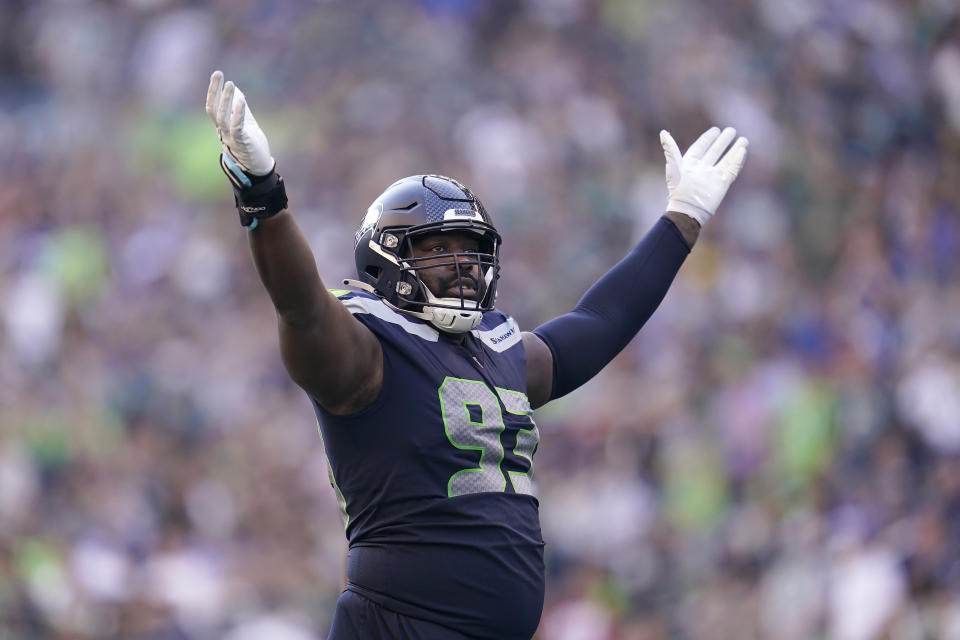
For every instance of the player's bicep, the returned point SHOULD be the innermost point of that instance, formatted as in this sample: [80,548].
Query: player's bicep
[539,369]
[334,358]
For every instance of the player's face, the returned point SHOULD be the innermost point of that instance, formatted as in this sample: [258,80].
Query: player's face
[442,279]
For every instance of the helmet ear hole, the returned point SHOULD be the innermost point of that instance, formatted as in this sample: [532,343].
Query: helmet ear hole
[373,271]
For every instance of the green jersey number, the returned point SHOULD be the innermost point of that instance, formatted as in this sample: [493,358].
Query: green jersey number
[473,420]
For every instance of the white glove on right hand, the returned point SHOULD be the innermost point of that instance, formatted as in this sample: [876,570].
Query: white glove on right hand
[245,147]
[698,180]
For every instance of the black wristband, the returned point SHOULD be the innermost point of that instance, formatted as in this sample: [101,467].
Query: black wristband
[263,197]
[261,201]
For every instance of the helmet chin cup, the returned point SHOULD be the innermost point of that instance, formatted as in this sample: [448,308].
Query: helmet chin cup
[453,320]
[449,319]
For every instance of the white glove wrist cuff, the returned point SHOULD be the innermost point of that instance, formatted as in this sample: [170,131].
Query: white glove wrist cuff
[695,212]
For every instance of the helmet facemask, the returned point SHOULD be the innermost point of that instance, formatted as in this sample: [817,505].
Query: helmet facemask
[472,281]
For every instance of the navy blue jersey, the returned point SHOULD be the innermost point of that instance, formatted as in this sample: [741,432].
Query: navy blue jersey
[435,477]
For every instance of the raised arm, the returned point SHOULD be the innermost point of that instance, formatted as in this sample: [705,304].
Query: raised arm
[331,355]
[567,351]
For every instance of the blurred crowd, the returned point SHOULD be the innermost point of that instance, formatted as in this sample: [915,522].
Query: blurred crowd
[777,455]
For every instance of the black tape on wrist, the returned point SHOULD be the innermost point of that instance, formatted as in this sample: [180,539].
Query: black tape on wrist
[261,200]
[265,196]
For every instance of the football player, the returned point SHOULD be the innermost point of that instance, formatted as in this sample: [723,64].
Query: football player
[424,390]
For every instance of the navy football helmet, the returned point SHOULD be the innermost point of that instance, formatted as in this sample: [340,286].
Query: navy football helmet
[413,207]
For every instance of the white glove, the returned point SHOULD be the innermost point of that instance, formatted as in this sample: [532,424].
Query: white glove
[245,147]
[698,180]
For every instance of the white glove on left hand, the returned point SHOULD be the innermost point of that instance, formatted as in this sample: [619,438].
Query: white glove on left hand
[698,179]
[244,143]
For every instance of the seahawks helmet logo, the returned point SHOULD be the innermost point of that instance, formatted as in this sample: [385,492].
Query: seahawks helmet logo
[369,220]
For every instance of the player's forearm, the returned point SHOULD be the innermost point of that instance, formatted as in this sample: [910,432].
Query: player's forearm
[614,309]
[288,270]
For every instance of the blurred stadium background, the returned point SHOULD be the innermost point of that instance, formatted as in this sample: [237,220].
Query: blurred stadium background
[776,456]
